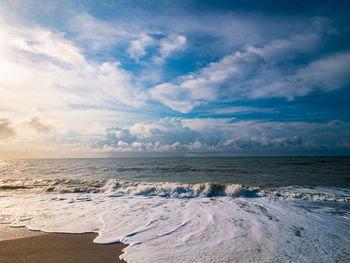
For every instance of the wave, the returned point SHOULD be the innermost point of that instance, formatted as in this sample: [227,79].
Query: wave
[176,169]
[177,190]
[115,187]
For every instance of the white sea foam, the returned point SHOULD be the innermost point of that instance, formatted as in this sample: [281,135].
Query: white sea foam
[161,227]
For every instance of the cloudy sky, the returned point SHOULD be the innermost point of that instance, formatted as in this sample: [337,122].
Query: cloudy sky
[165,78]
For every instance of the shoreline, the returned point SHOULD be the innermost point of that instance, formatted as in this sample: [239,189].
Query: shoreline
[22,245]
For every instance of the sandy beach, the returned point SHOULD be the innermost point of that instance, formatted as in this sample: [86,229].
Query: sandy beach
[19,245]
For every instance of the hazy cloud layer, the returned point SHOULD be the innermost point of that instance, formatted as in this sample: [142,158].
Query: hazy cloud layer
[40,127]
[6,128]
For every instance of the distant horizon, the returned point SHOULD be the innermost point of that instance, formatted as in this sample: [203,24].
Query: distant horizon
[101,79]
[178,156]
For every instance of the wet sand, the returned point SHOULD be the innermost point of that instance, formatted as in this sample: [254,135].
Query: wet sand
[39,247]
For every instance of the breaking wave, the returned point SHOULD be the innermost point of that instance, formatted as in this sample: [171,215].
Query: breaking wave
[115,187]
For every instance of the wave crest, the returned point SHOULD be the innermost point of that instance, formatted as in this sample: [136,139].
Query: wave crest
[176,190]
[115,187]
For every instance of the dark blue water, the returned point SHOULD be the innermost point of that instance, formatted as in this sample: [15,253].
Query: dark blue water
[251,171]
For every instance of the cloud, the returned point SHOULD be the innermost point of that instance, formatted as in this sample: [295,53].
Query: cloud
[343,143]
[168,131]
[324,74]
[116,137]
[86,73]
[289,48]
[175,97]
[52,45]
[239,110]
[50,72]
[97,34]
[254,74]
[40,127]
[209,84]
[138,47]
[169,45]
[6,128]
[263,143]
[328,73]
[220,136]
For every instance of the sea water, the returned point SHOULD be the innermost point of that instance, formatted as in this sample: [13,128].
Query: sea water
[286,209]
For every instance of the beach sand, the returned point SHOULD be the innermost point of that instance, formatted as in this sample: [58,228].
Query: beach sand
[23,245]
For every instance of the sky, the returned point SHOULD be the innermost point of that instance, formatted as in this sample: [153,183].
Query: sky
[174,78]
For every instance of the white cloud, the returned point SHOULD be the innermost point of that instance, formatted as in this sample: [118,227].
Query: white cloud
[220,136]
[288,48]
[138,47]
[50,72]
[205,85]
[96,33]
[325,74]
[169,45]
[239,110]
[142,130]
[328,73]
[43,73]
[254,73]
[44,42]
[174,97]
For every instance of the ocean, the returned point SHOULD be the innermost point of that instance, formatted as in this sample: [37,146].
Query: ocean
[220,209]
